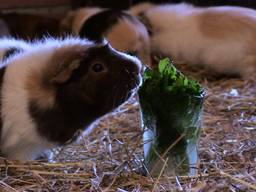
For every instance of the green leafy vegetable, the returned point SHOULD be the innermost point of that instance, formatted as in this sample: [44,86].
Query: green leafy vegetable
[171,106]
[173,80]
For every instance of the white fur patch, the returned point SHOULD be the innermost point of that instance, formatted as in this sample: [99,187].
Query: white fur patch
[8,43]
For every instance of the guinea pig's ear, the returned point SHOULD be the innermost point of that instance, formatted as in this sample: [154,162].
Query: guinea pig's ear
[65,60]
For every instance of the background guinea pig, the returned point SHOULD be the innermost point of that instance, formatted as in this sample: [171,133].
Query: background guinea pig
[10,47]
[58,87]
[124,31]
[221,38]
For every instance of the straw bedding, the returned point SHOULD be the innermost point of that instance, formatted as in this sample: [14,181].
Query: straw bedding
[110,158]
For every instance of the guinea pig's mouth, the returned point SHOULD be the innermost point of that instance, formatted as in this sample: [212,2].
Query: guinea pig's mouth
[134,83]
[123,92]
[134,87]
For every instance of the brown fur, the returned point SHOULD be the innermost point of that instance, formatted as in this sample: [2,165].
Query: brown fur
[124,37]
[121,32]
[226,25]
[129,35]
[75,19]
[65,60]
[41,84]
[66,23]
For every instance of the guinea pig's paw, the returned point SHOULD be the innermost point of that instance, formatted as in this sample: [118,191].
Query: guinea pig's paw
[49,155]
[24,149]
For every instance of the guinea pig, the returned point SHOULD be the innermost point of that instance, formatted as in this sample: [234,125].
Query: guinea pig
[124,31]
[220,38]
[56,88]
[10,46]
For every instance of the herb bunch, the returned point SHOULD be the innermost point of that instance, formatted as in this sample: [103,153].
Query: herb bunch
[167,77]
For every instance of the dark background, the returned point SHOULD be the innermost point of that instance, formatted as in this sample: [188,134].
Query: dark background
[123,4]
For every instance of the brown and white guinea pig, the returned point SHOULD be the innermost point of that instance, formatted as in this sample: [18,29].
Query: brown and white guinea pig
[124,31]
[56,88]
[10,46]
[221,38]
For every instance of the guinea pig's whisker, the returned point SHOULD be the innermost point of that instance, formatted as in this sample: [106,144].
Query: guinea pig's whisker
[115,96]
[113,99]
[127,96]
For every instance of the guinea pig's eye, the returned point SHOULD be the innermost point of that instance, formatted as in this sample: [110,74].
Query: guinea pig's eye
[98,67]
